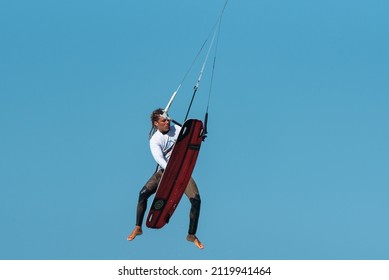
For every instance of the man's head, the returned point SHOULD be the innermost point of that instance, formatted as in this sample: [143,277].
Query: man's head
[159,121]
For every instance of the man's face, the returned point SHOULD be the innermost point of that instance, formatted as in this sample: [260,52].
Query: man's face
[162,124]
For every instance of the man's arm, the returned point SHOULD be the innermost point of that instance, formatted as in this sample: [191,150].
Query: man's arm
[156,151]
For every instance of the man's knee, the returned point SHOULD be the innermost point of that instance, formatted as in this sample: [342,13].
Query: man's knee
[195,201]
[144,194]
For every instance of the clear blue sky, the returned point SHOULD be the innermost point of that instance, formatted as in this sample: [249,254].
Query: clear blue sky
[296,162]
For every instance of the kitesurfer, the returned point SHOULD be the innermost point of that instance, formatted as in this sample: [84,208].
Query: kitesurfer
[161,146]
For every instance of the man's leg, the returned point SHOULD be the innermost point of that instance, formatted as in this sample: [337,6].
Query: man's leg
[149,188]
[192,193]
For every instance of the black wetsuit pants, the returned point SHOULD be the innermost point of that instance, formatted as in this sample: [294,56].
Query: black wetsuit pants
[150,188]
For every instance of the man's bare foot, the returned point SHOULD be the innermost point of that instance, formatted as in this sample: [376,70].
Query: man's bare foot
[193,238]
[137,231]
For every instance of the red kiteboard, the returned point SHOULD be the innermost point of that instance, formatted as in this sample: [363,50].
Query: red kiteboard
[177,174]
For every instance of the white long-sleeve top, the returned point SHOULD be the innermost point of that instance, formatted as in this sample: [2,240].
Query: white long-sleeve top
[161,145]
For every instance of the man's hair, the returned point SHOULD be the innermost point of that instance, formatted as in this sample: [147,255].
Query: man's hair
[155,115]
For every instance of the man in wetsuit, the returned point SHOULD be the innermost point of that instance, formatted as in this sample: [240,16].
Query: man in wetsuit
[161,146]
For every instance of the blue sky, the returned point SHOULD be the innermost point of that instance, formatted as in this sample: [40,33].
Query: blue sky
[296,161]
